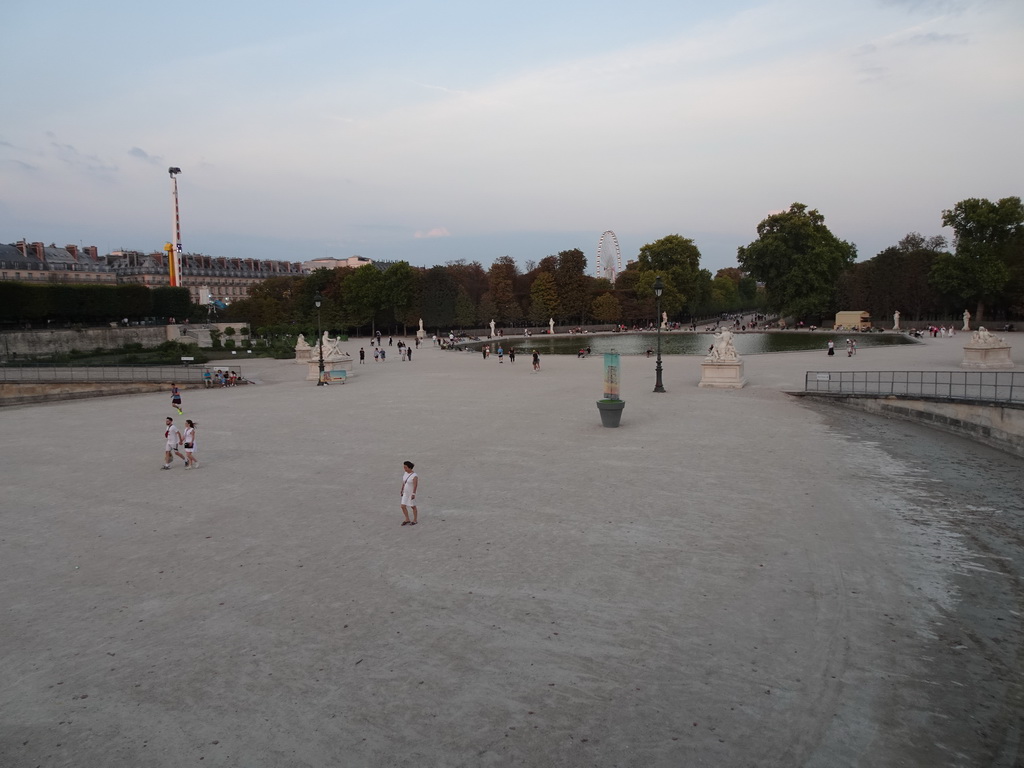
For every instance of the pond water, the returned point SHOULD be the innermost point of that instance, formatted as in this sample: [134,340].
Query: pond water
[686,343]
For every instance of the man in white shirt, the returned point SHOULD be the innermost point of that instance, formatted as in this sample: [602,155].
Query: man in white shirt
[172,436]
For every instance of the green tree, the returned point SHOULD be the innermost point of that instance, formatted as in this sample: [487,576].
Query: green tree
[486,310]
[677,260]
[465,310]
[978,271]
[896,279]
[543,299]
[438,299]
[399,289]
[171,302]
[573,287]
[469,276]
[606,309]
[799,261]
[725,293]
[501,287]
[364,296]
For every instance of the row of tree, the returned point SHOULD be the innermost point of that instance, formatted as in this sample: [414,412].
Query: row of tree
[796,267]
[807,272]
[64,303]
[465,295]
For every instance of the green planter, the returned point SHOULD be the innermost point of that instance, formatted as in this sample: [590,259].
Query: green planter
[611,412]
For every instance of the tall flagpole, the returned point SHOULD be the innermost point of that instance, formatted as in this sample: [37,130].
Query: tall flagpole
[174,251]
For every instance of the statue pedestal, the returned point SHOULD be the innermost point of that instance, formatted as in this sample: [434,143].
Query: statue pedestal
[302,356]
[987,356]
[338,364]
[724,374]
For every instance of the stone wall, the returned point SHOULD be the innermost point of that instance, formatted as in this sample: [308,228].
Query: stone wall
[19,345]
[1000,425]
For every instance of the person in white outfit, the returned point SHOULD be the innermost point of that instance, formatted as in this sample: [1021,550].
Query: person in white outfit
[172,437]
[189,441]
[410,482]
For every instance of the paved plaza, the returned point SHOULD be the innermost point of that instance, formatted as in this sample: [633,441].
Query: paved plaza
[731,578]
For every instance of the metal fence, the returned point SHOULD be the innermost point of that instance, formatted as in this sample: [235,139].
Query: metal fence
[63,373]
[995,386]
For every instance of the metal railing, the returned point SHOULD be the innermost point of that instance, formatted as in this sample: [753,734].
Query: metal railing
[994,386]
[62,373]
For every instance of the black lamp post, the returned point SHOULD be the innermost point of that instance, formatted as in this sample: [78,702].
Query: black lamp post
[318,300]
[658,288]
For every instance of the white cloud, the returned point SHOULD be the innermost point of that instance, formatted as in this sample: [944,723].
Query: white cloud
[435,232]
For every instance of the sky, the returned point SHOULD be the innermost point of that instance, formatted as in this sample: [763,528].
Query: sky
[435,131]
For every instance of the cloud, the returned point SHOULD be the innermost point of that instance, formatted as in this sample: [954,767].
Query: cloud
[936,38]
[435,232]
[69,155]
[143,155]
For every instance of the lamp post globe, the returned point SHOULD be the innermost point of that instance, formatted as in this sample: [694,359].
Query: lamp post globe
[659,286]
[318,300]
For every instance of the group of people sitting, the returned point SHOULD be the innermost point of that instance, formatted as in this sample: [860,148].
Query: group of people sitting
[220,379]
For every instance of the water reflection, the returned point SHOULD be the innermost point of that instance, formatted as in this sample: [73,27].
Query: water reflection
[686,343]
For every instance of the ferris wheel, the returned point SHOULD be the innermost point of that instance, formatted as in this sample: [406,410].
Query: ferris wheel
[609,259]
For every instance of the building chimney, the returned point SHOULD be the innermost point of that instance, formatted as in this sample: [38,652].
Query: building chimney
[40,253]
[73,250]
[93,253]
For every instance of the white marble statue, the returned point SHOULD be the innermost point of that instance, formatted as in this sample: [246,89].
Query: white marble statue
[967,321]
[330,347]
[664,321]
[985,338]
[551,325]
[492,328]
[896,320]
[723,350]
[301,344]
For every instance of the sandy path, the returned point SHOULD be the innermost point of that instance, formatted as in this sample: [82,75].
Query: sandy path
[728,579]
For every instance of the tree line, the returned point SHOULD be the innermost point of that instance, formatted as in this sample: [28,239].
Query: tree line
[31,303]
[809,273]
[795,267]
[460,294]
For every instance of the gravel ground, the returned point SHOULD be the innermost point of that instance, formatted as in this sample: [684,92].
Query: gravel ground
[731,578]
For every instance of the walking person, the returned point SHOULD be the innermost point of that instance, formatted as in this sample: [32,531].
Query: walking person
[172,437]
[536,361]
[511,354]
[410,482]
[362,356]
[501,354]
[176,398]
[831,348]
[189,444]
[408,354]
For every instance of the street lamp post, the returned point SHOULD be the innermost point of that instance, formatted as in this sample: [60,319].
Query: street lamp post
[658,288]
[318,300]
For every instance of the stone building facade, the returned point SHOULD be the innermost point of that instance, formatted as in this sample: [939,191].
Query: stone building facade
[208,278]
